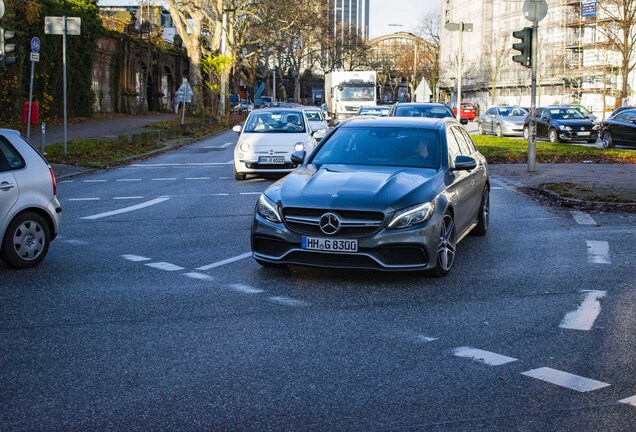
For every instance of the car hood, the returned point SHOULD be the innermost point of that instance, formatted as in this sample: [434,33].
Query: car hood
[574,123]
[356,187]
[514,119]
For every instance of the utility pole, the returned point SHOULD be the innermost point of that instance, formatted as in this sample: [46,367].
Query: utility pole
[461,27]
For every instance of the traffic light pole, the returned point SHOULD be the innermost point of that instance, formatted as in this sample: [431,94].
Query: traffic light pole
[532,136]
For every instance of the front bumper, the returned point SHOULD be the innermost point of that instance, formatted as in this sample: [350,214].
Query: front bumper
[565,135]
[512,130]
[386,250]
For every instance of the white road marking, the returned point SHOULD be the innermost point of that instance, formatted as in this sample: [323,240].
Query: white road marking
[421,338]
[583,318]
[245,289]
[565,379]
[598,252]
[288,301]
[163,165]
[220,194]
[197,178]
[582,218]
[630,401]
[251,193]
[165,266]
[76,242]
[227,144]
[84,199]
[225,178]
[128,180]
[127,209]
[496,188]
[94,181]
[164,179]
[66,181]
[226,261]
[487,357]
[199,276]
[135,258]
[127,197]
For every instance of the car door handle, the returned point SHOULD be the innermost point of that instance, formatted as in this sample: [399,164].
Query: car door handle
[5,186]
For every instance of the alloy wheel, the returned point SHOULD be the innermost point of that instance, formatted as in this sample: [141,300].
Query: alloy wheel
[447,243]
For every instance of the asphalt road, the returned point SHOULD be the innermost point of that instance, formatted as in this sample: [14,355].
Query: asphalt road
[148,314]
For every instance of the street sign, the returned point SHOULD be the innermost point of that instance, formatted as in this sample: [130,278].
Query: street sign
[184,94]
[35,45]
[35,57]
[535,10]
[54,25]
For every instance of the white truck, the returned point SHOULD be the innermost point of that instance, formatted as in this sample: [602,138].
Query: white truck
[345,92]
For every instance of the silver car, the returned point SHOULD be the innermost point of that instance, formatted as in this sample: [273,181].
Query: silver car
[503,121]
[29,209]
[377,193]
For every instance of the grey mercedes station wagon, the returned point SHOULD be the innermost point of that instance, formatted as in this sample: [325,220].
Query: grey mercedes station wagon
[377,193]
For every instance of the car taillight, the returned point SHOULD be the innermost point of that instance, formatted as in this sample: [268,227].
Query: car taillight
[53,181]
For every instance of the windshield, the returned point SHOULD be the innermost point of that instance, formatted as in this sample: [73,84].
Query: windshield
[512,112]
[275,122]
[423,111]
[374,111]
[358,93]
[313,115]
[566,114]
[381,146]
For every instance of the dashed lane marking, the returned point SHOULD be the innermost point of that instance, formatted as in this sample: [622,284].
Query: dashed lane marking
[66,181]
[598,252]
[582,218]
[487,357]
[127,197]
[421,338]
[135,258]
[76,242]
[496,188]
[128,180]
[199,276]
[288,301]
[245,289]
[630,401]
[565,379]
[84,199]
[210,164]
[226,261]
[94,181]
[197,178]
[584,317]
[251,193]
[165,266]
[164,179]
[127,209]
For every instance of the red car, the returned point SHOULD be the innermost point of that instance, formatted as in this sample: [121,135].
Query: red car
[469,110]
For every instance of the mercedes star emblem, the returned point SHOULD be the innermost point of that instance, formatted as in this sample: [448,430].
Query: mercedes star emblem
[330,223]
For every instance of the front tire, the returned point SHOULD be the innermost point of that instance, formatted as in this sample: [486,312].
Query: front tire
[447,246]
[26,241]
[480,127]
[553,136]
[608,141]
[483,220]
[499,131]
[237,175]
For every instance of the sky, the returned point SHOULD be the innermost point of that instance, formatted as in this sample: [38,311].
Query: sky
[406,13]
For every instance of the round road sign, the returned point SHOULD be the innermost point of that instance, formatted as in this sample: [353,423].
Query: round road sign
[35,45]
[535,10]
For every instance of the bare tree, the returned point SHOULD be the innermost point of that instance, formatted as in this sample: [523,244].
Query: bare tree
[430,64]
[495,56]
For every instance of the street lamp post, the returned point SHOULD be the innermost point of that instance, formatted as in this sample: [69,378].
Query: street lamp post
[461,27]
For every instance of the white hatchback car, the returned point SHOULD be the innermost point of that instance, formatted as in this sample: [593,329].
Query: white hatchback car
[268,139]
[29,209]
[317,122]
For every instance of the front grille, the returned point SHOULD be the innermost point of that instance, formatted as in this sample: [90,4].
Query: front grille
[353,223]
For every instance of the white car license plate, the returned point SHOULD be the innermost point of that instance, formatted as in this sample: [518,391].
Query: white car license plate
[583,133]
[271,160]
[329,245]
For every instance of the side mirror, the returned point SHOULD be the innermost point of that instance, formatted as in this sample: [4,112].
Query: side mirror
[298,157]
[319,134]
[463,121]
[237,128]
[465,163]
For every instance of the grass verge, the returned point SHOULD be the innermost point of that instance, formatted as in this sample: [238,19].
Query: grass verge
[97,153]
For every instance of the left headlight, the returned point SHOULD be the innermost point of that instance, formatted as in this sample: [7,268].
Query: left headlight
[299,146]
[245,146]
[565,128]
[267,209]
[412,216]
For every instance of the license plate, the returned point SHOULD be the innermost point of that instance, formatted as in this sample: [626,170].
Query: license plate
[583,133]
[329,245]
[271,160]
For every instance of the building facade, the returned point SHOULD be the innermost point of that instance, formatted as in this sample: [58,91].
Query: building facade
[350,16]
[576,64]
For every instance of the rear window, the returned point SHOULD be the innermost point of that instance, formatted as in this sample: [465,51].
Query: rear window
[429,112]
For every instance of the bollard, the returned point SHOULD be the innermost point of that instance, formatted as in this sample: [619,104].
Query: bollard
[43,141]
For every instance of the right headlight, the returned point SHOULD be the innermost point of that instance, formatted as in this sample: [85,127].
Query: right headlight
[267,208]
[410,216]
[244,147]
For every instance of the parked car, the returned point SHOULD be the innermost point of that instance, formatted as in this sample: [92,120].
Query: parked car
[317,122]
[620,109]
[267,140]
[619,129]
[377,193]
[380,111]
[234,100]
[580,108]
[29,209]
[502,121]
[562,124]
[420,109]
[468,110]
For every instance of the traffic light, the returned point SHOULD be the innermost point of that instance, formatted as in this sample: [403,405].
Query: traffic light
[5,47]
[524,47]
